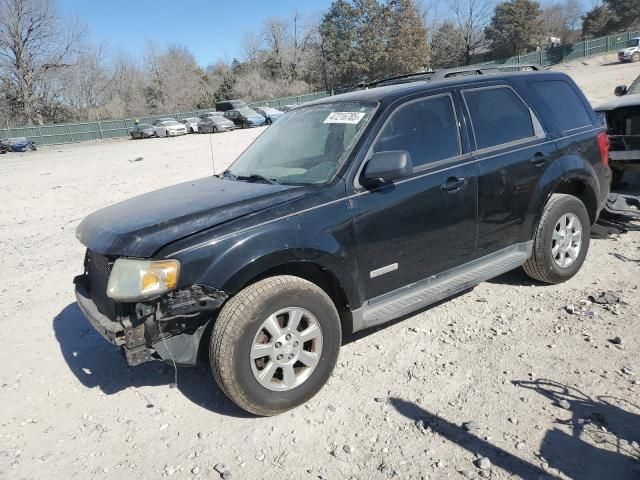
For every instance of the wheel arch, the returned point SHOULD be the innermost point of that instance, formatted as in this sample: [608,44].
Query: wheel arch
[327,278]
[580,189]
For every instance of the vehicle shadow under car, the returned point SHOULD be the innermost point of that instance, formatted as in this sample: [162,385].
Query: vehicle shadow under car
[97,363]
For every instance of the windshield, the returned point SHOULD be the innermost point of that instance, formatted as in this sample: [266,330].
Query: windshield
[170,123]
[634,42]
[144,126]
[307,145]
[635,87]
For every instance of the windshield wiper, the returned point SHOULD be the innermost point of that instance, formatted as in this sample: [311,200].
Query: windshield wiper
[257,176]
[228,174]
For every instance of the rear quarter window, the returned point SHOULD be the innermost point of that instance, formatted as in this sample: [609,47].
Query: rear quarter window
[498,116]
[564,103]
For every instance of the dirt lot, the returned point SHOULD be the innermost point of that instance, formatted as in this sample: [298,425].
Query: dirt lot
[549,394]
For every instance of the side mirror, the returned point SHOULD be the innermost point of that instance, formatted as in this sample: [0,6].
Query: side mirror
[385,167]
[620,90]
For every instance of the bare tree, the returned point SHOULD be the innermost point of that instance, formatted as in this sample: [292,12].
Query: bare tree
[471,17]
[34,44]
[562,19]
[88,84]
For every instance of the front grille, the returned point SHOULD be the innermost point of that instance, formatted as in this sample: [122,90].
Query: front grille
[98,271]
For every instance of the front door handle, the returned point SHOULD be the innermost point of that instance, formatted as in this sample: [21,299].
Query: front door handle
[453,184]
[538,159]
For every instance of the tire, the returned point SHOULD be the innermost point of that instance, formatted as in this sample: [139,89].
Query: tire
[214,130]
[268,122]
[240,325]
[244,125]
[166,133]
[635,57]
[542,265]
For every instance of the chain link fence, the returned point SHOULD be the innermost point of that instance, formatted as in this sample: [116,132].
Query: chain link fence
[104,129]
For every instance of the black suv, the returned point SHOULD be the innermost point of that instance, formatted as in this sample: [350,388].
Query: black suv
[348,212]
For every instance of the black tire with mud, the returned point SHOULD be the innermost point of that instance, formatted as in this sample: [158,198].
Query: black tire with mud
[237,325]
[541,265]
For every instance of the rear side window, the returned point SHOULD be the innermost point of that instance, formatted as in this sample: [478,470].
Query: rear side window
[498,116]
[566,106]
[427,129]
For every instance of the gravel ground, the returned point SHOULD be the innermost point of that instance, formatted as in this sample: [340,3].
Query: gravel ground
[499,382]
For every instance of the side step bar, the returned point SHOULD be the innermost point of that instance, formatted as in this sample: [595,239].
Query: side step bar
[430,290]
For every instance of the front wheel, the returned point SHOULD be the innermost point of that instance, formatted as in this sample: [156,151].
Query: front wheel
[275,344]
[561,240]
[635,57]
[245,125]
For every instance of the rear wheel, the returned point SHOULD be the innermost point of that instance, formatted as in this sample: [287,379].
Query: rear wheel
[214,130]
[561,240]
[245,125]
[275,344]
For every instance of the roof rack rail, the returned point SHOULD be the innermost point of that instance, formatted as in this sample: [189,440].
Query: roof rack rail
[435,75]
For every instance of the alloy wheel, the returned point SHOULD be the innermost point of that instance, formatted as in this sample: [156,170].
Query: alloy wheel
[286,349]
[566,240]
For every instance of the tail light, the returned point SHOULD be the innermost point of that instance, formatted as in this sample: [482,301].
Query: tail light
[603,143]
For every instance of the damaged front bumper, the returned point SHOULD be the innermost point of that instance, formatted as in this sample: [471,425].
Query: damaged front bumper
[167,329]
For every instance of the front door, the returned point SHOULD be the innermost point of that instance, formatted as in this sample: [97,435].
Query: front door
[426,223]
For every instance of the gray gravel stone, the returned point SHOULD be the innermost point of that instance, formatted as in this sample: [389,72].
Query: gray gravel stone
[483,463]
[564,404]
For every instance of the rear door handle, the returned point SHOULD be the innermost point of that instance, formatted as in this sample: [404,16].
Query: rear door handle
[538,158]
[453,184]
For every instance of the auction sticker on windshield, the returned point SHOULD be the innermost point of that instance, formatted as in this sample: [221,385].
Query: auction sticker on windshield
[344,117]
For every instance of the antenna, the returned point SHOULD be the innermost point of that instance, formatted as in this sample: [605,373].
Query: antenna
[213,163]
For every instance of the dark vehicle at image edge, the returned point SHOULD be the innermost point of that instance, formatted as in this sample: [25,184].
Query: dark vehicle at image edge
[346,213]
[621,117]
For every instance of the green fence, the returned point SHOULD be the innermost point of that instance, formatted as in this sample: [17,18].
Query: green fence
[571,51]
[81,132]
[103,129]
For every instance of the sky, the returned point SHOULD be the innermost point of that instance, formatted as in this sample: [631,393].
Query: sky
[212,30]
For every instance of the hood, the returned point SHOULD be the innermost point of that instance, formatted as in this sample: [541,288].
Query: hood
[623,101]
[140,226]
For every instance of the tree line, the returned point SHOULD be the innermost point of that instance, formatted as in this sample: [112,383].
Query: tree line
[51,71]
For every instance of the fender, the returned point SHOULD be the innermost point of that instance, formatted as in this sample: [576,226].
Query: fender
[321,236]
[550,180]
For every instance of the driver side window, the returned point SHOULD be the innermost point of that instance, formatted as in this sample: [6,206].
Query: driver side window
[426,128]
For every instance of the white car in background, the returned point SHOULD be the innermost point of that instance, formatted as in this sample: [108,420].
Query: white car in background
[632,51]
[191,124]
[169,128]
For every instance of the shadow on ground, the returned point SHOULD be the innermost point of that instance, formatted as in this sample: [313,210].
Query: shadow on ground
[599,441]
[99,364]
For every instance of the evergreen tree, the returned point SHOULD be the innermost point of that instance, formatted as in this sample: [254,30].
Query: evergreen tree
[447,46]
[515,28]
[408,49]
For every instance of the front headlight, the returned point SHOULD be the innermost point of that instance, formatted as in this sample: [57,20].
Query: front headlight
[134,280]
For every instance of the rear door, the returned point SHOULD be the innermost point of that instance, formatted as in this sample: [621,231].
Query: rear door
[512,151]
[425,223]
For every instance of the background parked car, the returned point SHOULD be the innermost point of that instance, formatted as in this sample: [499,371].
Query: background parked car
[19,144]
[631,53]
[286,108]
[270,114]
[142,130]
[245,118]
[226,105]
[215,124]
[169,128]
[191,124]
